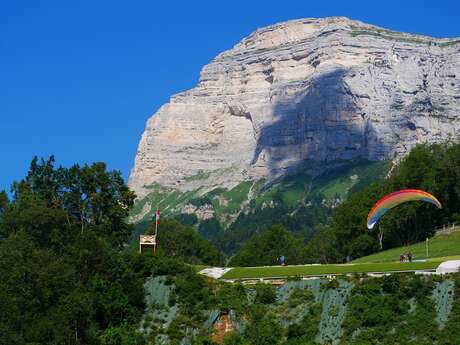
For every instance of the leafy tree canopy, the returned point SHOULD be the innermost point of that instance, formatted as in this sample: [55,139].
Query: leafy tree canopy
[181,241]
[266,248]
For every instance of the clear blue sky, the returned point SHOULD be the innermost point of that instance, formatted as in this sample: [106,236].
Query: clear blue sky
[79,79]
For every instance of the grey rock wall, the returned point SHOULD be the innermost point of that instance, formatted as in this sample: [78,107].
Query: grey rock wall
[303,95]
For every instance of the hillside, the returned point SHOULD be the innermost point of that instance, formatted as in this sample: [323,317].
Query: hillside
[439,246]
[397,309]
[255,202]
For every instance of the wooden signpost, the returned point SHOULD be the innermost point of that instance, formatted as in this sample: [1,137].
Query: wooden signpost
[150,241]
[147,242]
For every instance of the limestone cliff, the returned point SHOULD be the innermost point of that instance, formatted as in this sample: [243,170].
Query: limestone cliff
[303,95]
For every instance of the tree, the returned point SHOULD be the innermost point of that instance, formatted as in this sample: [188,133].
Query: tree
[36,283]
[265,293]
[211,229]
[122,335]
[4,201]
[263,328]
[181,241]
[93,198]
[45,226]
[322,248]
[98,199]
[265,248]
[232,297]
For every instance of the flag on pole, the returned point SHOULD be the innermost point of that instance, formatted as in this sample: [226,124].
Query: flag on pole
[157,216]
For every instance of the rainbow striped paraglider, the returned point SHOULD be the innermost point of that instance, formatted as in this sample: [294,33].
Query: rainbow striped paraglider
[396,198]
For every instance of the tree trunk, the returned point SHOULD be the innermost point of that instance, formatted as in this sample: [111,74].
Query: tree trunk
[380,238]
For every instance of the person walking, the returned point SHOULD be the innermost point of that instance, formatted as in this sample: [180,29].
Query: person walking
[282,260]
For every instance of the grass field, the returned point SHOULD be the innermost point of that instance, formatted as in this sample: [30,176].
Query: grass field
[315,270]
[441,248]
[438,246]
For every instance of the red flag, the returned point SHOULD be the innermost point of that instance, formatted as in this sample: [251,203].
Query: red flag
[157,216]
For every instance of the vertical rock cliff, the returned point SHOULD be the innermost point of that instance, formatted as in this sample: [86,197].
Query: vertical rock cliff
[303,95]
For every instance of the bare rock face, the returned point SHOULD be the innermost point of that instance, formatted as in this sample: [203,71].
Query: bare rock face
[202,212]
[303,95]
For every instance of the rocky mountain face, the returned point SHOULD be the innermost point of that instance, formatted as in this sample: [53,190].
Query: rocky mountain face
[302,95]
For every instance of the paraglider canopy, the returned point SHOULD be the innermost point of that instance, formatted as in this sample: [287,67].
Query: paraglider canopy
[396,198]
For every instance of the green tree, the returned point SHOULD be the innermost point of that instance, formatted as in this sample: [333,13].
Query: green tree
[263,328]
[265,293]
[232,297]
[93,198]
[267,247]
[211,229]
[122,335]
[34,285]
[181,241]
[4,201]
[194,295]
[451,332]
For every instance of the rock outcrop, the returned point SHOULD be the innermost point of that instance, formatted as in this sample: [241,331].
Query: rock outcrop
[303,95]
[202,212]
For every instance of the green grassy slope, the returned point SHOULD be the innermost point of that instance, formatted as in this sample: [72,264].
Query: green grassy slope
[316,270]
[438,246]
[291,190]
[347,179]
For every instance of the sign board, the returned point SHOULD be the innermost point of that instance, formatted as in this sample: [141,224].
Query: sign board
[147,241]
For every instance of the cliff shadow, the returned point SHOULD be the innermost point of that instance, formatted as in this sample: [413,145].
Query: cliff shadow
[319,126]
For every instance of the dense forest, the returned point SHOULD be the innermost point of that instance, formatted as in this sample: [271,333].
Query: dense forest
[65,278]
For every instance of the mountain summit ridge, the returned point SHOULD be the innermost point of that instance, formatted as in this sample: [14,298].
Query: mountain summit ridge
[302,95]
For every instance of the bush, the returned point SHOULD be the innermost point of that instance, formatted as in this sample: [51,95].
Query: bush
[265,293]
[300,296]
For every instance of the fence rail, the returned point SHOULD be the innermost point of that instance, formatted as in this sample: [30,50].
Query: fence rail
[447,229]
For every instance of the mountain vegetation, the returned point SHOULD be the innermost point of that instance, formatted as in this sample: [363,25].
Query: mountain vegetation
[432,168]
[70,277]
[395,309]
[66,278]
[299,203]
[267,247]
[184,243]
[340,234]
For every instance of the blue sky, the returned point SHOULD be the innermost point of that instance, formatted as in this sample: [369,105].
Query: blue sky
[79,79]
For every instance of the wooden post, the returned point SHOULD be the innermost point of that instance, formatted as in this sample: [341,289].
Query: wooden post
[426,243]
